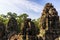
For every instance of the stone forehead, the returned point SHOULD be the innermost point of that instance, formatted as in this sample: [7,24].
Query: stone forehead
[48,4]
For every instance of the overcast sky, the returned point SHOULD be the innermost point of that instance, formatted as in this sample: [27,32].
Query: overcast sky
[32,7]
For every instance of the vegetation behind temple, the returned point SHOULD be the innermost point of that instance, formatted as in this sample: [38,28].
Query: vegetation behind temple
[20,19]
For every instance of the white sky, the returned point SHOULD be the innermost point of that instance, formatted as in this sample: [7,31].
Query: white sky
[20,6]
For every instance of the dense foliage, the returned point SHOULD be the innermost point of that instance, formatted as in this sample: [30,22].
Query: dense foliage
[19,18]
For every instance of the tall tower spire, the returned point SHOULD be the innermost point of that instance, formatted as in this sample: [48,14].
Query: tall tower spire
[50,20]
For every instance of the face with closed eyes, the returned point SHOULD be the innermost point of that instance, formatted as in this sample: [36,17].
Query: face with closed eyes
[52,11]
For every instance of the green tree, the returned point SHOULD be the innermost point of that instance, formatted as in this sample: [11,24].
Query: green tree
[14,15]
[9,14]
[21,19]
[23,16]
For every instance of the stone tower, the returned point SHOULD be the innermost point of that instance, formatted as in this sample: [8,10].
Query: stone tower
[50,20]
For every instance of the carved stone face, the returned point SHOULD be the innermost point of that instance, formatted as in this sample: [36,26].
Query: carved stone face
[12,24]
[53,11]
